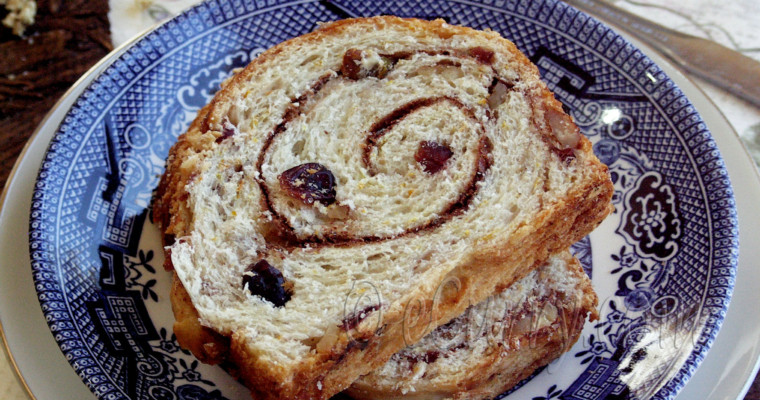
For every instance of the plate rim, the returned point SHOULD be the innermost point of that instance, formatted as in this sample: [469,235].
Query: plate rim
[710,106]
[91,75]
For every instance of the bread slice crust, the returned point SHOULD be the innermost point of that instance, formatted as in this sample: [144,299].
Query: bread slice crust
[338,360]
[496,344]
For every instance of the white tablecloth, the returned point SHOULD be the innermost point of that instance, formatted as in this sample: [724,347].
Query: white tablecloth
[732,23]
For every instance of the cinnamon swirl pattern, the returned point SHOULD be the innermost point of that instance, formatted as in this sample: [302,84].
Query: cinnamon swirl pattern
[388,149]
[367,164]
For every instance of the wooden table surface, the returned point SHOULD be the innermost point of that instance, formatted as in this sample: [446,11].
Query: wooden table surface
[67,38]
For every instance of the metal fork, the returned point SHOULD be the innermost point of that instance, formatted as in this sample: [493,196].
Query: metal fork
[710,61]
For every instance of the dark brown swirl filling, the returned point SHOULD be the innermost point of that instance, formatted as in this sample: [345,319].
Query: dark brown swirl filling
[351,69]
[386,123]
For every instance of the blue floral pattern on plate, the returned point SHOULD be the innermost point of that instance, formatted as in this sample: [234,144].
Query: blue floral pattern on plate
[663,263]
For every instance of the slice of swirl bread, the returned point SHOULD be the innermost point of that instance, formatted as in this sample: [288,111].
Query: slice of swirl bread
[494,344]
[353,188]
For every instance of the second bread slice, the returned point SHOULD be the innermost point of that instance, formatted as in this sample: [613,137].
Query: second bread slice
[494,344]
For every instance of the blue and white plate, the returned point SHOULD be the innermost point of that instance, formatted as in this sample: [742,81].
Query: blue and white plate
[663,264]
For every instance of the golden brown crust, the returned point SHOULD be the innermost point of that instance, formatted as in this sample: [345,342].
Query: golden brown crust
[168,211]
[509,360]
[205,344]
[333,369]
[496,373]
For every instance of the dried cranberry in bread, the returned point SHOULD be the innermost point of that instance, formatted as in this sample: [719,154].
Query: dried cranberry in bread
[494,344]
[353,188]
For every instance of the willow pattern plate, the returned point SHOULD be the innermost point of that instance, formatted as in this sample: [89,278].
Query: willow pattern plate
[663,264]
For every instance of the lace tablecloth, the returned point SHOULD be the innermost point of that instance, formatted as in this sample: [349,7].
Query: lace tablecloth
[731,23]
